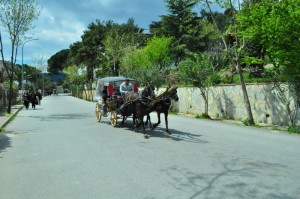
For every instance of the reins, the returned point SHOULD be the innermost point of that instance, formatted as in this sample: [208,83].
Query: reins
[140,97]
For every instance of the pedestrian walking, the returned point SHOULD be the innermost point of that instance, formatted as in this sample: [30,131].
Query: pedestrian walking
[26,100]
[39,95]
[33,99]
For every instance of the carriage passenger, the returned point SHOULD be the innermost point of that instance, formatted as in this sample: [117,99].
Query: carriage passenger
[125,87]
[104,97]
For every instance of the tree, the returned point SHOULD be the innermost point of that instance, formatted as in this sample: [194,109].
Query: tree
[90,52]
[74,80]
[115,45]
[58,61]
[40,64]
[216,24]
[158,52]
[150,62]
[2,71]
[16,18]
[119,40]
[275,25]
[197,70]
[234,52]
[183,24]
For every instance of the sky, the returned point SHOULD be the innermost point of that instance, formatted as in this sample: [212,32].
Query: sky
[62,22]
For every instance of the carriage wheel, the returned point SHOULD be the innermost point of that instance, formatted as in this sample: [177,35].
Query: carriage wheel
[98,112]
[113,118]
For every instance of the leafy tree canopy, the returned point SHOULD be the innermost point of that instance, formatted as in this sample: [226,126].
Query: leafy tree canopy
[275,24]
[58,62]
[183,24]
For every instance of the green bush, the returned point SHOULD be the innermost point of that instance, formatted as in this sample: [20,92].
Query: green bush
[203,116]
[293,129]
[246,122]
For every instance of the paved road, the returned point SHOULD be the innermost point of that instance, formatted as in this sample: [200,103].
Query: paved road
[59,151]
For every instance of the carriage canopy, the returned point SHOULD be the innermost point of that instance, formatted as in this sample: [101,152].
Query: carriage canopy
[108,83]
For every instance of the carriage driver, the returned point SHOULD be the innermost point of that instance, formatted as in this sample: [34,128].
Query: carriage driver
[125,87]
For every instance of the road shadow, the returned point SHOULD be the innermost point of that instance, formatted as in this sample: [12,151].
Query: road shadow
[32,109]
[178,135]
[56,117]
[160,132]
[4,142]
[235,178]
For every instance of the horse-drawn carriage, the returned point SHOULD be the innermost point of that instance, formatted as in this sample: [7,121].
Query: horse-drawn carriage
[135,104]
[109,98]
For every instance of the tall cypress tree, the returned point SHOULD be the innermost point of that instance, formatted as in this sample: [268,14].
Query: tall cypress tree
[183,25]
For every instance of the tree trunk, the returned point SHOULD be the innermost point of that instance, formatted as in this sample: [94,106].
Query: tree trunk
[86,95]
[245,94]
[10,95]
[204,94]
[11,80]
[91,92]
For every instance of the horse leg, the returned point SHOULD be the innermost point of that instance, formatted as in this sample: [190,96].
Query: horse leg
[146,123]
[150,124]
[123,120]
[158,122]
[166,121]
[146,136]
[137,123]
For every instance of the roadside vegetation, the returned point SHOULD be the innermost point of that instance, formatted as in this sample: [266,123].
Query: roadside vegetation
[250,42]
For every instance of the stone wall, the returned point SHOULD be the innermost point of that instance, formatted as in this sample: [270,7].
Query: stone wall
[2,96]
[227,102]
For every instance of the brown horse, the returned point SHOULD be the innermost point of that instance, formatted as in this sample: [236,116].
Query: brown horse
[135,104]
[161,104]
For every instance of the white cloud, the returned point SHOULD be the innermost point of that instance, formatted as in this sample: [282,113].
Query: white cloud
[62,23]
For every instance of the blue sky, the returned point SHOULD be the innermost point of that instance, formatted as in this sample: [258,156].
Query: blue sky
[62,22]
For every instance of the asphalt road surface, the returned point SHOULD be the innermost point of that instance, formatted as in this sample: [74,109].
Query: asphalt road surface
[59,151]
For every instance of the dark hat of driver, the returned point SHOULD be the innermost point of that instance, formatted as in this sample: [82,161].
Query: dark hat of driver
[126,79]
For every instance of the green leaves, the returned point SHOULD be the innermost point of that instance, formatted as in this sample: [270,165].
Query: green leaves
[18,16]
[276,24]
[183,25]
[158,52]
[196,70]
[58,62]
[150,61]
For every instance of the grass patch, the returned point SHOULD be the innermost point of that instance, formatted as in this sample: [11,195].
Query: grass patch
[3,111]
[246,122]
[1,129]
[173,112]
[203,116]
[257,126]
[293,129]
[275,128]
[289,129]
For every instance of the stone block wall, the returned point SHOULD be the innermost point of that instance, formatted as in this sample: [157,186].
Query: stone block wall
[227,102]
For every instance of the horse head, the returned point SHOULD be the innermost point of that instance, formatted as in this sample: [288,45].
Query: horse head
[172,92]
[148,91]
